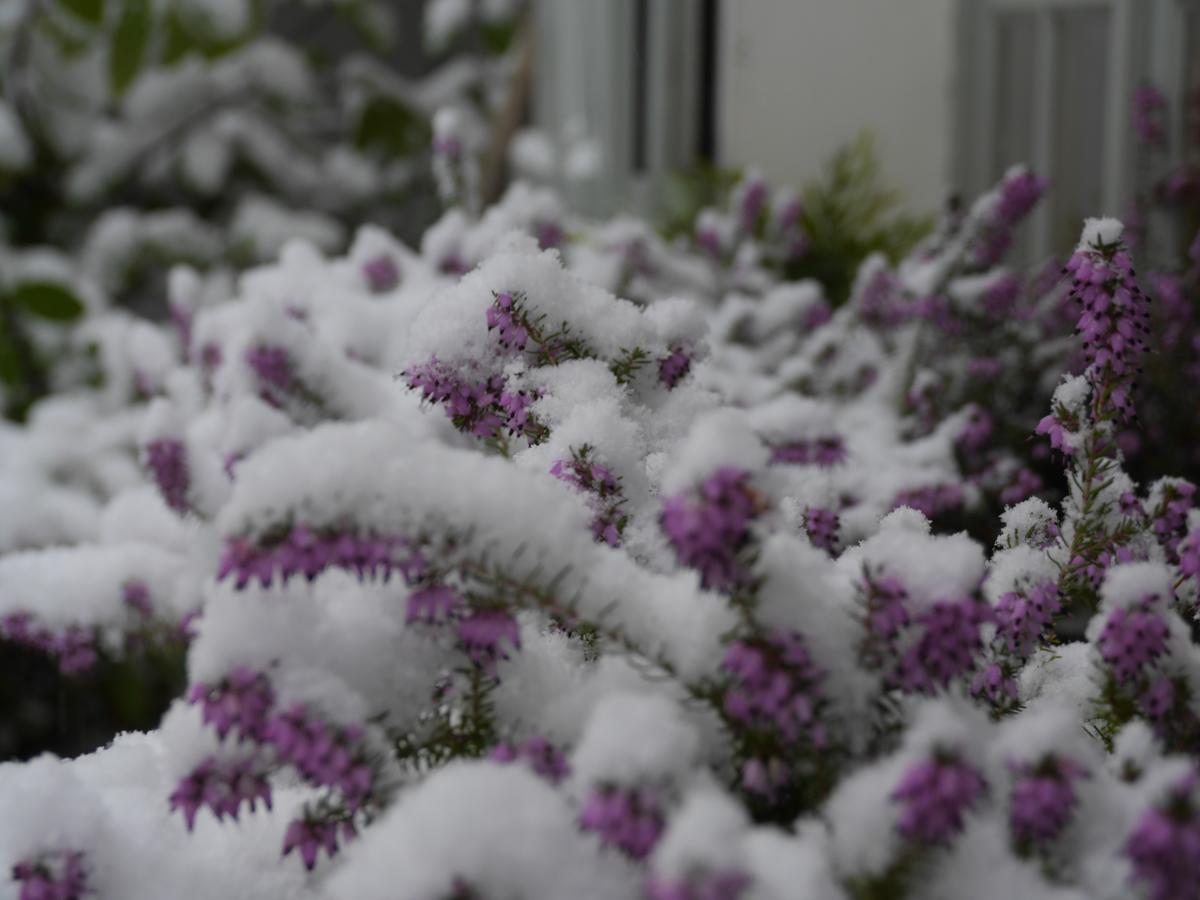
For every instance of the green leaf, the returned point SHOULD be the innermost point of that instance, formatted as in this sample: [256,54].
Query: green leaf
[91,11]
[10,360]
[48,300]
[389,127]
[128,49]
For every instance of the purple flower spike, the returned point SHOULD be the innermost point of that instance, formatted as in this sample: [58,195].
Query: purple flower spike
[937,793]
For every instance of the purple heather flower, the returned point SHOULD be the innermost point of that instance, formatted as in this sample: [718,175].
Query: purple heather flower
[887,612]
[627,819]
[304,552]
[1051,426]
[309,836]
[721,884]
[543,757]
[1169,518]
[752,201]
[506,317]
[827,450]
[1189,554]
[708,530]
[936,794]
[54,875]
[137,597]
[549,234]
[239,702]
[272,365]
[326,755]
[1165,845]
[821,526]
[977,431]
[1115,315]
[946,648]
[381,272]
[993,684]
[74,648]
[1018,193]
[483,633]
[167,460]
[1158,699]
[933,500]
[1022,617]
[775,687]
[674,367]
[1024,484]
[604,490]
[1042,801]
[221,786]
[433,604]
[1131,639]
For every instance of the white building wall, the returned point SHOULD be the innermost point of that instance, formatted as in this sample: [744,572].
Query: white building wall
[800,77]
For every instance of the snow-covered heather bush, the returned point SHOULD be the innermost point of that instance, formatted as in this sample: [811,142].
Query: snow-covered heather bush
[135,135]
[498,584]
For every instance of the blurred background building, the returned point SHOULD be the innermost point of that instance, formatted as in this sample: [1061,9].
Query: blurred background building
[954,91]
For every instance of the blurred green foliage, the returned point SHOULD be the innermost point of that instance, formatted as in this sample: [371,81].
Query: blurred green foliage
[849,213]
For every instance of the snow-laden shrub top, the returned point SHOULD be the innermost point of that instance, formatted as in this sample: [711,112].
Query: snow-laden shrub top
[499,585]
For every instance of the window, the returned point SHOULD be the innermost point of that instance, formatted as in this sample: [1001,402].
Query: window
[1050,83]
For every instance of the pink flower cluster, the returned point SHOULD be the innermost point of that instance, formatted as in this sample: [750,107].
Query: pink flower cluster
[709,529]
[936,794]
[628,819]
[55,875]
[302,551]
[484,633]
[239,703]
